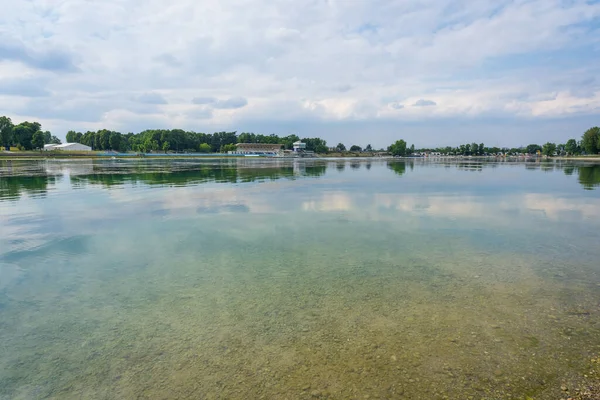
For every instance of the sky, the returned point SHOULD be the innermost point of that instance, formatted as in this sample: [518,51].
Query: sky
[431,72]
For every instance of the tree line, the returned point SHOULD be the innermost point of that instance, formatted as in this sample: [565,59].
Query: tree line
[29,136]
[589,144]
[26,135]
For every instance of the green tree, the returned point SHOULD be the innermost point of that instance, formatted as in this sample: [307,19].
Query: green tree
[317,145]
[533,148]
[6,132]
[47,137]
[37,140]
[114,141]
[571,147]
[165,147]
[340,147]
[481,149]
[23,133]
[398,148]
[475,149]
[355,148]
[71,137]
[55,140]
[228,147]
[590,140]
[369,148]
[549,149]
[204,148]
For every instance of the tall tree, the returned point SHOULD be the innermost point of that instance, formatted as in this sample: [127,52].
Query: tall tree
[533,148]
[47,137]
[369,148]
[571,147]
[355,148]
[6,132]
[340,147]
[591,140]
[549,149]
[398,148]
[71,137]
[37,140]
[55,140]
[23,133]
[114,141]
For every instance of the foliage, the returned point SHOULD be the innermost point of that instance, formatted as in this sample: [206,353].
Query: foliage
[228,147]
[23,134]
[533,148]
[398,148]
[590,140]
[37,140]
[369,148]
[6,131]
[340,147]
[355,148]
[549,149]
[204,148]
[571,147]
[47,137]
[317,145]
[70,137]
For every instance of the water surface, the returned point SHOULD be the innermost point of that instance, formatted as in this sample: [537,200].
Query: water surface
[297,279]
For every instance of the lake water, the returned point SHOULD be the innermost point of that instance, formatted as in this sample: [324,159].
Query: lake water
[341,279]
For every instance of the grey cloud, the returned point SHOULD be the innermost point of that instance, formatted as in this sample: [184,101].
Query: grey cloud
[424,103]
[204,100]
[169,60]
[231,103]
[151,98]
[342,88]
[25,88]
[200,113]
[396,106]
[48,59]
[81,111]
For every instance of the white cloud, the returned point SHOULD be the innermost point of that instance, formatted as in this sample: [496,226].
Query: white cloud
[322,61]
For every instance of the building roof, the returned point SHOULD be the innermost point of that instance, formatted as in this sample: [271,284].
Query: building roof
[258,146]
[60,146]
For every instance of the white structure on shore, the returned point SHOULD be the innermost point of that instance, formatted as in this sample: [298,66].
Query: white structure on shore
[299,146]
[257,149]
[68,147]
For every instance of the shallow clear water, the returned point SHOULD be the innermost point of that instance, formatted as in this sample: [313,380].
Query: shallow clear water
[296,279]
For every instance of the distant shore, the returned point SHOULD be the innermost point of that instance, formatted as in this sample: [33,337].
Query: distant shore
[103,155]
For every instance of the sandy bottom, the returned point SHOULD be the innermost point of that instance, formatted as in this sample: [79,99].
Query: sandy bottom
[330,309]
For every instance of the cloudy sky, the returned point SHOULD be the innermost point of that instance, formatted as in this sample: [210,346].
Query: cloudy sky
[434,72]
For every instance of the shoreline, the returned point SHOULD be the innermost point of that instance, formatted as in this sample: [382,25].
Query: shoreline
[71,155]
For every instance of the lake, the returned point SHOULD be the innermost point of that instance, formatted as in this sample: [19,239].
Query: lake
[298,279]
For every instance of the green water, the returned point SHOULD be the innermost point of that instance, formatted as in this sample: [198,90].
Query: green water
[248,279]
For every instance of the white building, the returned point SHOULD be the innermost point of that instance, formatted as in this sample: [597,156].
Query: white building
[70,147]
[50,146]
[299,146]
